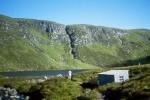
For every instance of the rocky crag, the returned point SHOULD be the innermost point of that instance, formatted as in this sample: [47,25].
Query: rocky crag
[28,44]
[11,94]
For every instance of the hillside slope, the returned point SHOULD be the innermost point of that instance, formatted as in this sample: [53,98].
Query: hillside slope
[103,46]
[28,44]
[136,88]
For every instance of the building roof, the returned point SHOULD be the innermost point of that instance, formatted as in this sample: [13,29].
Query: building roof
[115,72]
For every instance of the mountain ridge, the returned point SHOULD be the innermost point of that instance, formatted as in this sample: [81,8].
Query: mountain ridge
[59,46]
[2,15]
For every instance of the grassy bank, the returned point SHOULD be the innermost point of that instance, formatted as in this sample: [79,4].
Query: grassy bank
[137,88]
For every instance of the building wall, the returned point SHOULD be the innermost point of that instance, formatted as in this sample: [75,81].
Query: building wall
[104,79]
[118,77]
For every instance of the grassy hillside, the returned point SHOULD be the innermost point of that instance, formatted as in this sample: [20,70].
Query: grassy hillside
[133,50]
[137,88]
[26,47]
[28,44]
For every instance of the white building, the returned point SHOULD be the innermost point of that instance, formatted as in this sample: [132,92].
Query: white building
[113,76]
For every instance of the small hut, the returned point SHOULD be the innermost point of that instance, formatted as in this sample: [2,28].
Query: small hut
[112,76]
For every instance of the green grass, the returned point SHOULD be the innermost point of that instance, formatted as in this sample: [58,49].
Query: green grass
[136,88]
[52,89]
[110,51]
[60,89]
[135,46]
[98,55]
[28,47]
[34,53]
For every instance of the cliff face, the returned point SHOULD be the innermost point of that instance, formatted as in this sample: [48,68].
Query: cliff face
[84,35]
[37,44]
[88,34]
[55,32]
[28,44]
[103,46]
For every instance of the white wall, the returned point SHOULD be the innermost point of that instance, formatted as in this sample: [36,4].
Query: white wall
[104,77]
[124,74]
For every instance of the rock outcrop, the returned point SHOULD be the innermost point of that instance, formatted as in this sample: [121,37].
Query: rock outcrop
[83,35]
[29,42]
[11,94]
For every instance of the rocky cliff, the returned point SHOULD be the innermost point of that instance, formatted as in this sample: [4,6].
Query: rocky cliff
[28,44]
[84,35]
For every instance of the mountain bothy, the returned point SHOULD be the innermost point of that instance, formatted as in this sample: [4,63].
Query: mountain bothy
[113,76]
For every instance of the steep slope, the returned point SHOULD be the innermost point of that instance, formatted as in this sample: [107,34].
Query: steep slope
[35,45]
[103,46]
[28,44]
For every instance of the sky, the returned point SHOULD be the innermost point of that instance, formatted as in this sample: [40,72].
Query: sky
[112,13]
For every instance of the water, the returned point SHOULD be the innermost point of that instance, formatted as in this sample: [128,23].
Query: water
[39,73]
